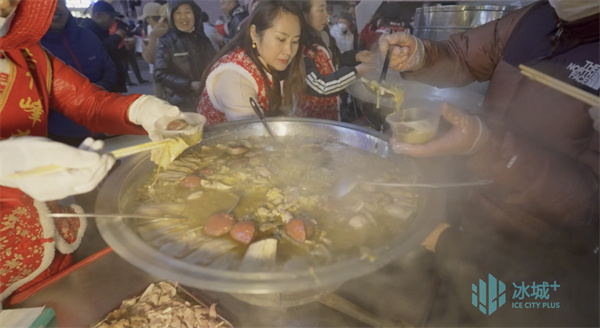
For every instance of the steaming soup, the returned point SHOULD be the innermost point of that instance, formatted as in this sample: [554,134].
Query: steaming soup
[251,205]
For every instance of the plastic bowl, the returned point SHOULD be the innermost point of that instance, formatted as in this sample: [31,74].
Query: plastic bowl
[414,125]
[188,126]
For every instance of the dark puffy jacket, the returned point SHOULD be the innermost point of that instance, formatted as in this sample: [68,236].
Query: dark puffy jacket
[181,59]
[543,154]
[79,48]
[111,44]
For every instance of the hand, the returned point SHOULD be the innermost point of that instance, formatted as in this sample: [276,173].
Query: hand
[467,136]
[146,110]
[365,57]
[595,115]
[195,85]
[82,169]
[122,33]
[408,53]
[363,69]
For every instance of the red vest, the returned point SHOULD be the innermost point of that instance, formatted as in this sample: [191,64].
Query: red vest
[240,59]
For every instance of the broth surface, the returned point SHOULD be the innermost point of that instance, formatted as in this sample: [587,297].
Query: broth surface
[281,191]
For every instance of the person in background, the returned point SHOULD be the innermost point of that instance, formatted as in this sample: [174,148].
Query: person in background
[127,49]
[133,5]
[251,5]
[342,32]
[539,219]
[261,62]
[79,48]
[220,26]
[328,71]
[155,15]
[182,55]
[35,246]
[390,17]
[210,30]
[103,18]
[235,14]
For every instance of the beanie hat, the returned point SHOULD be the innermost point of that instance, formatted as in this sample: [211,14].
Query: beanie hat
[31,21]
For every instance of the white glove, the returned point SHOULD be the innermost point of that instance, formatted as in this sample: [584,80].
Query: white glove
[146,110]
[82,169]
[408,53]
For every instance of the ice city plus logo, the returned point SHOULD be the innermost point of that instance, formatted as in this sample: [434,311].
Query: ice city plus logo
[488,297]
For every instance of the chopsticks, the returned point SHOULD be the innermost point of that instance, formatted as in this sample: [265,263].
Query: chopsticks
[119,153]
[561,86]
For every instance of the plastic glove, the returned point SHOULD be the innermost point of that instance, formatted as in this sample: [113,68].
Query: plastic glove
[146,110]
[467,136]
[595,115]
[408,53]
[365,56]
[82,172]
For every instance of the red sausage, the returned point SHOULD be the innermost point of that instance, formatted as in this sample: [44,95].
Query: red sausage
[243,232]
[191,181]
[218,225]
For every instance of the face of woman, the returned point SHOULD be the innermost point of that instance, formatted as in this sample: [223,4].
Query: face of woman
[183,17]
[318,15]
[278,44]
[61,14]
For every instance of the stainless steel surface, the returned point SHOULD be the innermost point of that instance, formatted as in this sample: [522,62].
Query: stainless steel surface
[111,216]
[439,22]
[120,188]
[345,186]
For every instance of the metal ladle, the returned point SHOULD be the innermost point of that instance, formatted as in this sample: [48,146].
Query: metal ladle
[261,116]
[344,186]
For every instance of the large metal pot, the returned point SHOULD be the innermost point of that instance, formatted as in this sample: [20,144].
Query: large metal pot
[438,22]
[260,288]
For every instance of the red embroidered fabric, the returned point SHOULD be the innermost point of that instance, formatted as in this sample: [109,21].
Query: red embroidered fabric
[241,59]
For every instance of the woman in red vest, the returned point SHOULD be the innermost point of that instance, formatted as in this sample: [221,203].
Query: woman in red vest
[34,246]
[255,64]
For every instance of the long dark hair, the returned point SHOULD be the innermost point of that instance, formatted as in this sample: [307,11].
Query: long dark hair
[262,18]
[313,36]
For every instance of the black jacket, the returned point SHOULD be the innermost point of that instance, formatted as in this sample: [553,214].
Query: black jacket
[181,58]
[111,44]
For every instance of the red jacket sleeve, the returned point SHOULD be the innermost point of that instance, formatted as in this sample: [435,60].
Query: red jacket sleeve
[77,98]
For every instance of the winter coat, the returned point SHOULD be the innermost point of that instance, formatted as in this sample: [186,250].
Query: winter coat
[111,44]
[543,153]
[33,246]
[149,50]
[79,48]
[181,58]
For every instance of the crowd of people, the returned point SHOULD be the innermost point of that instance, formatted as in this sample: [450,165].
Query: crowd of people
[63,81]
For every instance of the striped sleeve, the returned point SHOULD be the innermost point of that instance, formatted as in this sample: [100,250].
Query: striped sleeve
[327,85]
